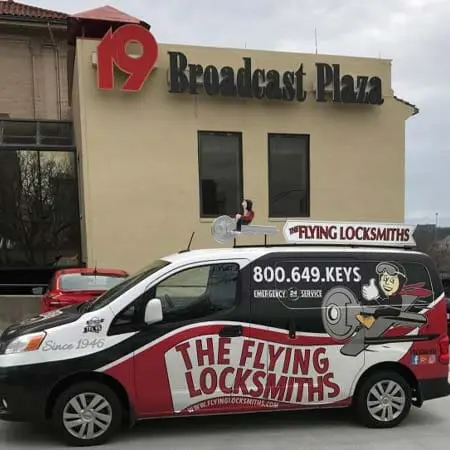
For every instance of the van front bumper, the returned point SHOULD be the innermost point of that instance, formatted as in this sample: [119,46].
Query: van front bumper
[22,396]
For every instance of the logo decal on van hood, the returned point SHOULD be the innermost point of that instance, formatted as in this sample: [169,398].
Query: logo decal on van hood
[93,325]
[40,317]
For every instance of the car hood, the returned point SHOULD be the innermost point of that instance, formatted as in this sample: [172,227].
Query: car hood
[42,322]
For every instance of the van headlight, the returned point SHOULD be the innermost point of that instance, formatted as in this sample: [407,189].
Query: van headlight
[25,343]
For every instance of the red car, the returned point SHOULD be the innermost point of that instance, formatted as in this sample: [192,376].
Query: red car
[73,286]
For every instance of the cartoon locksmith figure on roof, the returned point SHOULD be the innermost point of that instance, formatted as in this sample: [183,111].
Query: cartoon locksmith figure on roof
[386,301]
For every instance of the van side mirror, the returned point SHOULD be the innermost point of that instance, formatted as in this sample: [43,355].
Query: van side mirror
[153,311]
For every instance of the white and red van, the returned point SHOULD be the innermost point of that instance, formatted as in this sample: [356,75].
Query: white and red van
[342,315]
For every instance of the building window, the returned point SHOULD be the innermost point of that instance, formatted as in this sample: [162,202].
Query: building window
[288,175]
[39,207]
[35,134]
[220,173]
[39,218]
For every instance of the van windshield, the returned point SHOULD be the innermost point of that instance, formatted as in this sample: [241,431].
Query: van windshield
[116,291]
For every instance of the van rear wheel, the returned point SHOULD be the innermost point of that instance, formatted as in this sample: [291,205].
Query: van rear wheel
[383,400]
[87,413]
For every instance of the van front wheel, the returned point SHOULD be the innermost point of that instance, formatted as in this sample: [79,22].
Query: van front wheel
[383,400]
[87,413]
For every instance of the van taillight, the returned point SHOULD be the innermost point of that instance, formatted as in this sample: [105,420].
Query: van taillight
[443,350]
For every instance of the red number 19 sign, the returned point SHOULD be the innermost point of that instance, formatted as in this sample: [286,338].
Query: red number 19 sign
[112,52]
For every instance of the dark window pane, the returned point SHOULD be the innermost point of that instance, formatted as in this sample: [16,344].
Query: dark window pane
[288,176]
[55,133]
[39,214]
[220,173]
[407,287]
[17,132]
[198,292]
[23,280]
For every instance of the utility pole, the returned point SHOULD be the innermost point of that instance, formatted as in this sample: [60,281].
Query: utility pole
[436,224]
[315,39]
[437,255]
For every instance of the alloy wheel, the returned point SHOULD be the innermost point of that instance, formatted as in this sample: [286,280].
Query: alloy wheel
[87,416]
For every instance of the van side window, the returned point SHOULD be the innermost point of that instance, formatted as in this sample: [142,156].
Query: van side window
[295,293]
[198,291]
[404,285]
[189,294]
[417,286]
[128,319]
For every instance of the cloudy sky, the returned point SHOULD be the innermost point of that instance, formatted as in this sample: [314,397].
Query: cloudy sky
[413,33]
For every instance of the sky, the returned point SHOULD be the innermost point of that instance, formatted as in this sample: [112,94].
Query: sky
[413,33]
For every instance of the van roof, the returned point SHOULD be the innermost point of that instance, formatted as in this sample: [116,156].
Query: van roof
[253,252]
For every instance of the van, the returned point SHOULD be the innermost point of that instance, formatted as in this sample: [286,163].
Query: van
[341,315]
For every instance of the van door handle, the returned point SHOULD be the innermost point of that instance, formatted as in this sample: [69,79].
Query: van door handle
[231,331]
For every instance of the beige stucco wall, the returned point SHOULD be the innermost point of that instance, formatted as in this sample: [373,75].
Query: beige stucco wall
[33,79]
[139,153]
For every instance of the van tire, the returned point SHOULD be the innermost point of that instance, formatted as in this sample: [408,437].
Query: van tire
[371,388]
[89,390]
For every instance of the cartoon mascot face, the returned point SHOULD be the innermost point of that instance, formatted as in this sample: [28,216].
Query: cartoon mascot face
[391,278]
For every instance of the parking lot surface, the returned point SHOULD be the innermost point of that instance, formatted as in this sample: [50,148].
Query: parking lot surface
[427,427]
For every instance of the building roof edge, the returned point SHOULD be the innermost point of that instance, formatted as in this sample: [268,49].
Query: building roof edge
[413,107]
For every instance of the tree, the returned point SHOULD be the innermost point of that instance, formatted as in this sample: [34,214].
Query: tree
[436,243]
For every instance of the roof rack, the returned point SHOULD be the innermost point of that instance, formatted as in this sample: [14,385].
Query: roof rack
[266,245]
[308,232]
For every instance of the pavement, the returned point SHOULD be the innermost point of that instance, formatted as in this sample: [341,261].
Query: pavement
[427,427]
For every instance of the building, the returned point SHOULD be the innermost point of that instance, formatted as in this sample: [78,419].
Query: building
[39,216]
[123,169]
[179,143]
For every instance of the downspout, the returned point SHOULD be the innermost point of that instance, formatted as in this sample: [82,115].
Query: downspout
[57,72]
[33,77]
